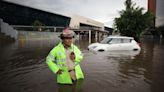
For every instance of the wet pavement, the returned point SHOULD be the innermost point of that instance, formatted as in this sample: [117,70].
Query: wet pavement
[23,69]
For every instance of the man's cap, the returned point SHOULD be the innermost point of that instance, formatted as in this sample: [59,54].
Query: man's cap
[67,33]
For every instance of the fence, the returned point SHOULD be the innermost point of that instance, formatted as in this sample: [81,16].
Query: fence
[36,35]
[38,28]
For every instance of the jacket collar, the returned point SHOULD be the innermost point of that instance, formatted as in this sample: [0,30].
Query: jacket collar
[62,46]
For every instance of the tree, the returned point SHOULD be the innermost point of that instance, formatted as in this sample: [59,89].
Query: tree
[37,24]
[132,20]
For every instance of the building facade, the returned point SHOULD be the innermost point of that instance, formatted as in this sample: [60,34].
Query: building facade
[15,14]
[159,22]
[156,7]
[80,21]
[152,6]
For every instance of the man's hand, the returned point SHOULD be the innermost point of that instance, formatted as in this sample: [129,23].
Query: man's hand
[59,71]
[72,56]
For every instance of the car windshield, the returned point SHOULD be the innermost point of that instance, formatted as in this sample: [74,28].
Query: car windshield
[106,41]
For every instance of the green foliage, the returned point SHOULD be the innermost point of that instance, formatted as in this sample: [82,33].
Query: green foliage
[37,23]
[132,20]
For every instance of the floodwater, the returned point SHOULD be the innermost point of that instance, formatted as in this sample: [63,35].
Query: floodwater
[23,69]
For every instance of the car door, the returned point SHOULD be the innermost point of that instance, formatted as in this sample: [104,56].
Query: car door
[125,44]
[114,44]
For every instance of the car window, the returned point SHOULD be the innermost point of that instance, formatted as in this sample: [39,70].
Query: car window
[115,41]
[106,40]
[125,40]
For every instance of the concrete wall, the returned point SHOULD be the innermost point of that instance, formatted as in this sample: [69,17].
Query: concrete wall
[8,30]
[159,13]
[159,22]
[36,35]
[37,39]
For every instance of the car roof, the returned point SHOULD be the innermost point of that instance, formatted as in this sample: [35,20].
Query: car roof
[117,36]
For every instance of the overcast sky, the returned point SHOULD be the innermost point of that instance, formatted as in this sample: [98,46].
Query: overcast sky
[100,10]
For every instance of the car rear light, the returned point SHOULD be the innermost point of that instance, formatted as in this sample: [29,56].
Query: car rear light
[139,44]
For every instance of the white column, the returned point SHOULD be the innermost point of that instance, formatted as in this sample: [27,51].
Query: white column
[96,36]
[99,36]
[79,35]
[0,24]
[54,29]
[89,36]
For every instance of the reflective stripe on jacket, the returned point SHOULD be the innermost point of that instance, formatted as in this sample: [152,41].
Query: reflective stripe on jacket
[57,60]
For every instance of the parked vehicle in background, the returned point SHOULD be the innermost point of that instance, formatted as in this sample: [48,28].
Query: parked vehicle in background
[115,43]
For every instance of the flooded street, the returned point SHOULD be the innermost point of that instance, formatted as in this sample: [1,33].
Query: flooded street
[23,69]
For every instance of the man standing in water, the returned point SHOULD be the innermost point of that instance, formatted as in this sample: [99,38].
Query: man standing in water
[64,59]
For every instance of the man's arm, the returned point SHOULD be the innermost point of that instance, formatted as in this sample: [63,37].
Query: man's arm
[50,62]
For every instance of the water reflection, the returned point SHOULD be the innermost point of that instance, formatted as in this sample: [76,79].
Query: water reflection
[23,69]
[76,87]
[117,69]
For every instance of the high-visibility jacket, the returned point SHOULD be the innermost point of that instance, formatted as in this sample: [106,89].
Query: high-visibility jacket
[56,60]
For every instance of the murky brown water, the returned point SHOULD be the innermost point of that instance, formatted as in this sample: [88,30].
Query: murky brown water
[23,69]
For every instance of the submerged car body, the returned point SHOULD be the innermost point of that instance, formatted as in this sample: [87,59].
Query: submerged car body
[115,43]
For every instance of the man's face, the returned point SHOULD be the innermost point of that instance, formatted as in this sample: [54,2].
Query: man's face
[68,41]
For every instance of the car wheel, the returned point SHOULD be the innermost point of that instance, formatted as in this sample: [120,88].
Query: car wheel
[135,49]
[101,50]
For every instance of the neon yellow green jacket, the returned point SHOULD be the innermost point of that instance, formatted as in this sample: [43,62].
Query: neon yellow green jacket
[57,60]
